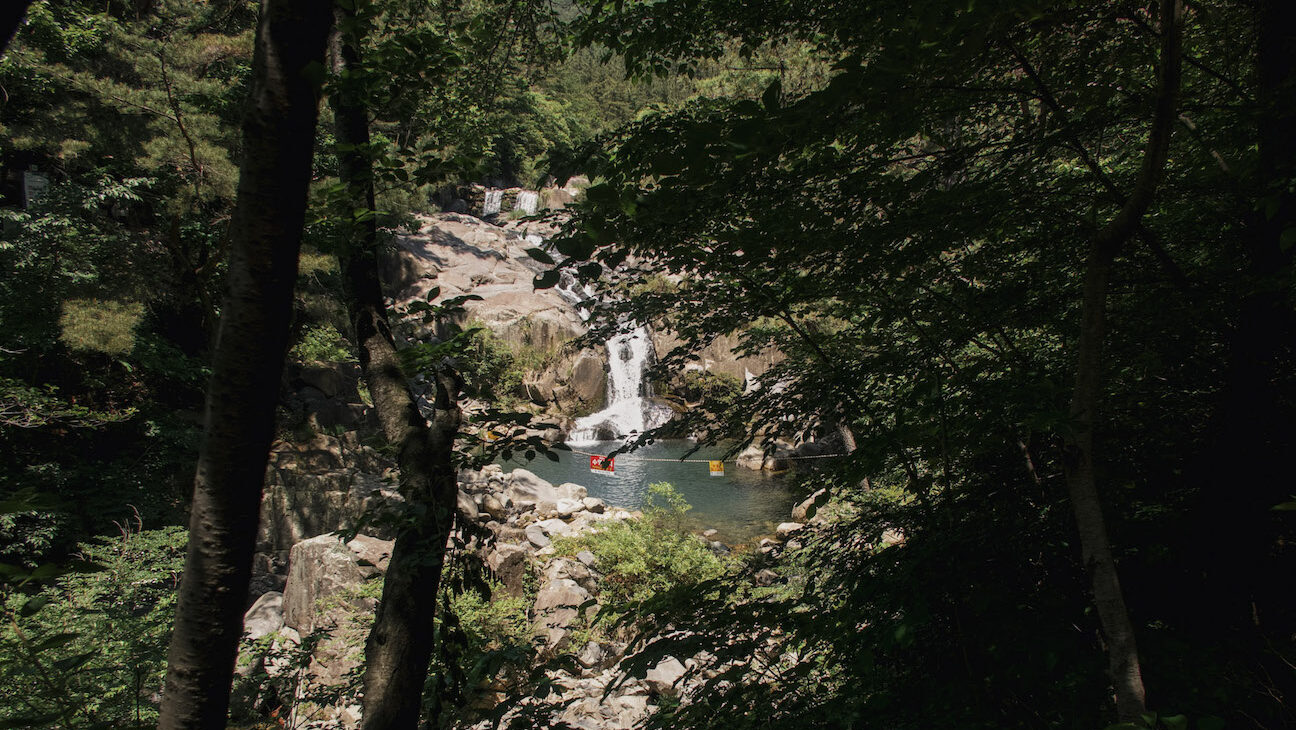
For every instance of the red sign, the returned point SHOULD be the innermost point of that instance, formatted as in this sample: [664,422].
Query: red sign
[602,464]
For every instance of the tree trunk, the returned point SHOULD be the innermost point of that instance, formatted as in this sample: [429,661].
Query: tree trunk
[1254,434]
[400,643]
[11,16]
[265,233]
[1122,649]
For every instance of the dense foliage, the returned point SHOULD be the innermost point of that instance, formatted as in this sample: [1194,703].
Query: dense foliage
[89,649]
[642,558]
[910,235]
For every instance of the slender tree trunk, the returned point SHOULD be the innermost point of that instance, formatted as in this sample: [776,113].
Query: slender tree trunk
[400,644]
[265,233]
[1122,649]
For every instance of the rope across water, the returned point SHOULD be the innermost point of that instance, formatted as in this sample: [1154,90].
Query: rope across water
[621,457]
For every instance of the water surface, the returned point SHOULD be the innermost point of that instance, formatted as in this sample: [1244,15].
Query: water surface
[742,505]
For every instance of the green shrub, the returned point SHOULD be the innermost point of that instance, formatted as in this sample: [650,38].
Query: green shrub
[90,649]
[642,558]
[322,343]
[491,624]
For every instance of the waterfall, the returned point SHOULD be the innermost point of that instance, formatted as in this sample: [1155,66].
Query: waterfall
[573,291]
[527,202]
[491,205]
[629,409]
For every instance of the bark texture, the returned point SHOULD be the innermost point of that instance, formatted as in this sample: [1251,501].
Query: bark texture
[1100,564]
[265,235]
[400,643]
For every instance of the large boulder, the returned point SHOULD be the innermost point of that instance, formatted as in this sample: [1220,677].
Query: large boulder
[528,490]
[561,568]
[265,617]
[588,380]
[786,530]
[319,485]
[467,507]
[536,536]
[509,563]
[776,458]
[557,607]
[809,506]
[463,255]
[664,678]
[719,356]
[494,506]
[556,198]
[325,567]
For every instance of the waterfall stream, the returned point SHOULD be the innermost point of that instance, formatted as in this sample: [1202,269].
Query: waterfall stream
[630,409]
[527,202]
[491,204]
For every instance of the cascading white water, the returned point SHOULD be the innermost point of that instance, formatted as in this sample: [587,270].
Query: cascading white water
[630,409]
[527,202]
[491,205]
[575,292]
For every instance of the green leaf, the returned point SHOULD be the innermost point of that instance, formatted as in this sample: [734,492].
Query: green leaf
[55,641]
[773,93]
[579,247]
[33,605]
[1176,722]
[76,661]
[546,280]
[540,255]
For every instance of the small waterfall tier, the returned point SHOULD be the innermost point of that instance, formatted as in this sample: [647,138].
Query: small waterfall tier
[527,202]
[630,409]
[492,202]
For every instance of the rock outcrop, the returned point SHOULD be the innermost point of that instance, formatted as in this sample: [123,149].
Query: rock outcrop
[332,587]
[325,567]
[463,255]
[317,486]
[776,458]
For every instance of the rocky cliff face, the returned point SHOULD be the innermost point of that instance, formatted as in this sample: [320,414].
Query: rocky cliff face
[718,357]
[465,255]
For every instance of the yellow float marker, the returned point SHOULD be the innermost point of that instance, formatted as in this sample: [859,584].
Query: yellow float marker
[717,468]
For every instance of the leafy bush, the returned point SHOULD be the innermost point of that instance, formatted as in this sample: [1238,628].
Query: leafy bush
[642,558]
[488,364]
[484,640]
[491,623]
[90,649]
[322,343]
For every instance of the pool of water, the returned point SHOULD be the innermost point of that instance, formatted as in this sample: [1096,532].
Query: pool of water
[742,505]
